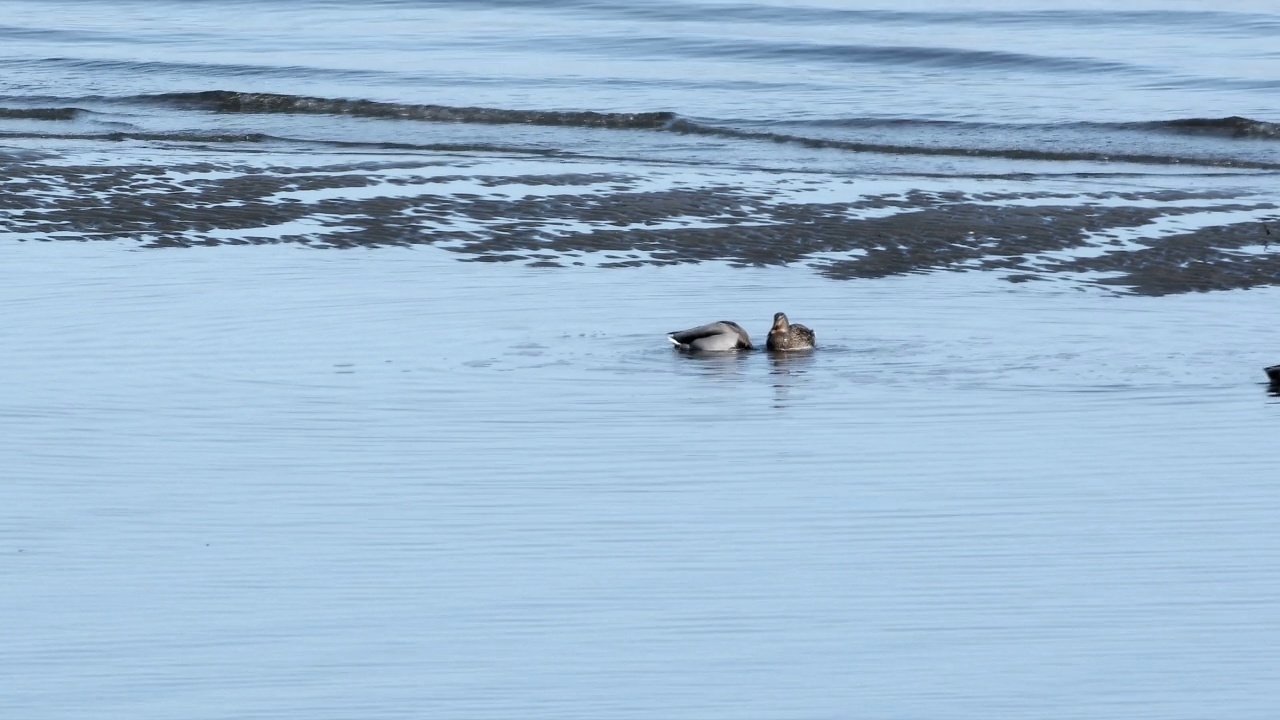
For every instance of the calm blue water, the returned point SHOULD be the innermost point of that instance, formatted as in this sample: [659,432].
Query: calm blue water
[265,480]
[268,482]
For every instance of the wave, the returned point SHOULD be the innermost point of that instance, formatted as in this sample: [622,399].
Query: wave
[53,113]
[1233,127]
[179,136]
[229,101]
[224,138]
[941,142]
[238,102]
[1006,153]
[845,54]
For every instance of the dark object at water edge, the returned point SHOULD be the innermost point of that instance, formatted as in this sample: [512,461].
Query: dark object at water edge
[1273,374]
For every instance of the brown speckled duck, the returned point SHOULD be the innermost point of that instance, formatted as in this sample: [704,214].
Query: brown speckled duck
[720,336]
[785,336]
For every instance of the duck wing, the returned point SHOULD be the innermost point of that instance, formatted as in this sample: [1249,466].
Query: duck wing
[805,333]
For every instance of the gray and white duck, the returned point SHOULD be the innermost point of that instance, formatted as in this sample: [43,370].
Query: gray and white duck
[723,336]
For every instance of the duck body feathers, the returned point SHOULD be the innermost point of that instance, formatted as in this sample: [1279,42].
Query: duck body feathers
[722,336]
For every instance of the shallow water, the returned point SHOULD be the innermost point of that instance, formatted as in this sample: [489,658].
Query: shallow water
[266,482]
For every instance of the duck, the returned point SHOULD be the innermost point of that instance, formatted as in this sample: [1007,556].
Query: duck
[785,335]
[1273,374]
[722,336]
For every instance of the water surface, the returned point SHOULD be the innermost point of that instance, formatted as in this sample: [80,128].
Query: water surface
[269,482]
[336,382]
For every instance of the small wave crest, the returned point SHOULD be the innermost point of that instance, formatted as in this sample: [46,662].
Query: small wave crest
[1232,127]
[240,102]
[52,113]
[1013,153]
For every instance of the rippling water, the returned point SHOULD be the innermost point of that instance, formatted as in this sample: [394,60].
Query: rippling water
[1026,61]
[337,386]
[1017,76]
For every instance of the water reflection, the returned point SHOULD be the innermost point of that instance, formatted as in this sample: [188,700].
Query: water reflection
[788,363]
[787,368]
[714,363]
